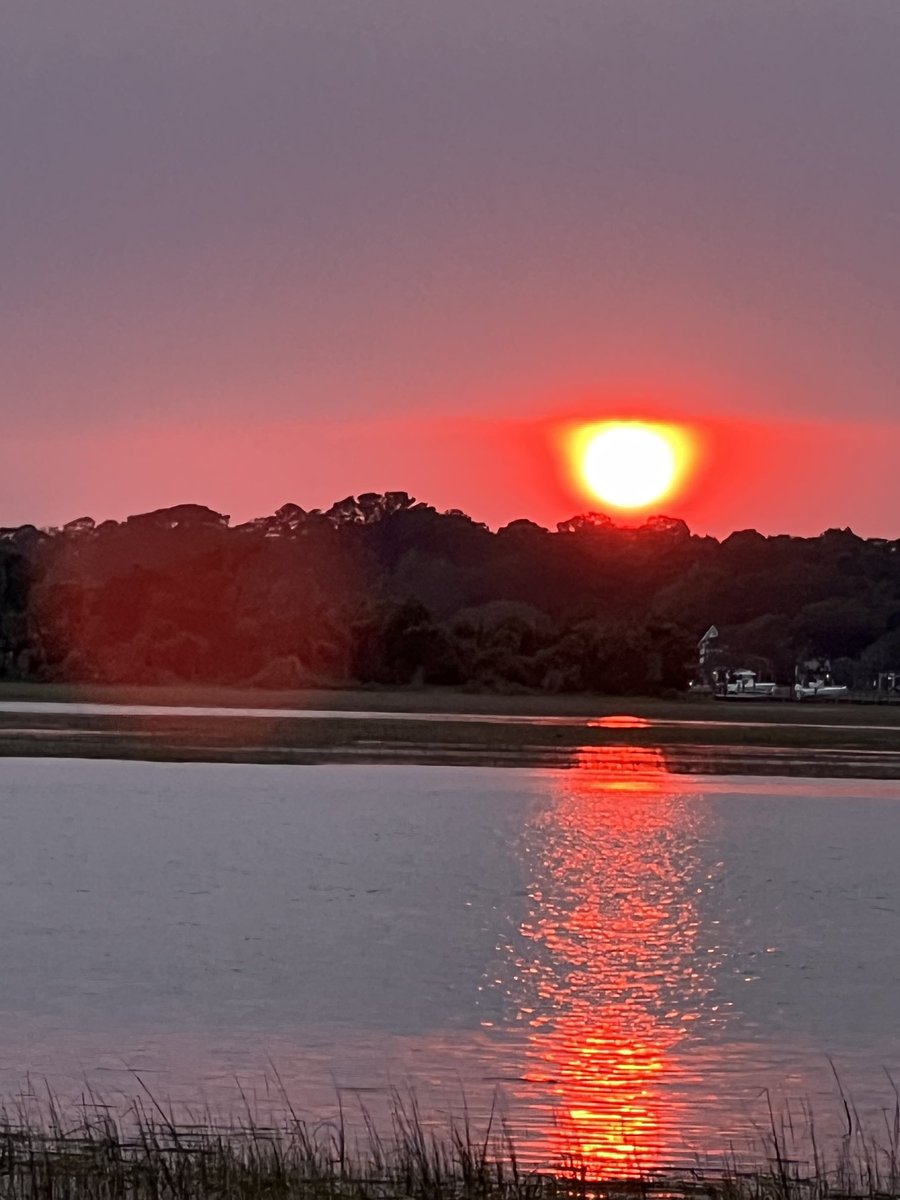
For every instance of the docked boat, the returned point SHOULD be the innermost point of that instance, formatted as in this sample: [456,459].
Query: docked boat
[819,689]
[742,684]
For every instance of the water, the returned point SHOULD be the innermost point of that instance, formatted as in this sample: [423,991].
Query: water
[84,709]
[628,957]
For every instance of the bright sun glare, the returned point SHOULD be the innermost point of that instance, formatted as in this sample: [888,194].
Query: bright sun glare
[630,464]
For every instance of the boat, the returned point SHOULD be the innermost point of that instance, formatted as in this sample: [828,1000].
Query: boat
[819,689]
[742,684]
[813,681]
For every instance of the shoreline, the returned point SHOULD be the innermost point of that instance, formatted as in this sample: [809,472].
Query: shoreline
[697,736]
[456,701]
[152,1155]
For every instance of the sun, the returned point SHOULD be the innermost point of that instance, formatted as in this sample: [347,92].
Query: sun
[630,464]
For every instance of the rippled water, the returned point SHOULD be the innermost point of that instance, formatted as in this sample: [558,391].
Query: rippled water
[628,956]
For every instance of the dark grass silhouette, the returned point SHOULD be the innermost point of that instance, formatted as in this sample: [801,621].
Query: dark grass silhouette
[146,1153]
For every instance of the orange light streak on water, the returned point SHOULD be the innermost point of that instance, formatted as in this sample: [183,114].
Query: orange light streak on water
[621,721]
[613,927]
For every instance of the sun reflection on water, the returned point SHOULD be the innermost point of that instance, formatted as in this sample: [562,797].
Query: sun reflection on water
[609,981]
[619,721]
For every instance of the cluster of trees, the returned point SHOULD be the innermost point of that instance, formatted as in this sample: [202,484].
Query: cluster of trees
[381,589]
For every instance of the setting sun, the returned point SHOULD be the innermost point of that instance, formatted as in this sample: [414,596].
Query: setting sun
[630,464]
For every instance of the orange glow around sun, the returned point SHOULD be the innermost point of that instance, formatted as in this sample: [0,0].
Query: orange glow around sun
[630,464]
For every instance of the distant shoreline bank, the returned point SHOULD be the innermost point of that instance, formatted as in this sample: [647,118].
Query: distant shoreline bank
[433,727]
[456,701]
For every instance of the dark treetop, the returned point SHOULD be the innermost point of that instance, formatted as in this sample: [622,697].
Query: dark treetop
[381,589]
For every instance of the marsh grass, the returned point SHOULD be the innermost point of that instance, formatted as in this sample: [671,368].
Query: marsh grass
[144,1154]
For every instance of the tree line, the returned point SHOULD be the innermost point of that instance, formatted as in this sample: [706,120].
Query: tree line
[381,589]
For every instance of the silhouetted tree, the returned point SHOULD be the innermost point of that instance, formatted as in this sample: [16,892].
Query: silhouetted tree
[384,589]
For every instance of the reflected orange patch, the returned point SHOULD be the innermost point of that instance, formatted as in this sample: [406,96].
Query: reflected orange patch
[619,722]
[630,464]
[613,928]
[620,768]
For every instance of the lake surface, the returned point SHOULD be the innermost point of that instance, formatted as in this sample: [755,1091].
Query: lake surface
[625,956]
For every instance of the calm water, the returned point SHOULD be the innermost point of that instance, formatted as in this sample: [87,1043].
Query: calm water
[627,956]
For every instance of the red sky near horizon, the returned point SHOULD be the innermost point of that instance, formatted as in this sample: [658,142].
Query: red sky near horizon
[782,478]
[294,251]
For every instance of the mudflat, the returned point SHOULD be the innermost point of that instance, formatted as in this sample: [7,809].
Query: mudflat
[458,701]
[436,725]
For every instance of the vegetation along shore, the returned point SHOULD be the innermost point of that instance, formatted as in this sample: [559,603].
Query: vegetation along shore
[145,1155]
[383,590]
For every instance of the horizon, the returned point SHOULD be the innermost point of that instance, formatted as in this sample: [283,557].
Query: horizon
[617,521]
[750,475]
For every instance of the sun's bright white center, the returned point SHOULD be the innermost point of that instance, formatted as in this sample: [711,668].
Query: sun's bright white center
[629,465]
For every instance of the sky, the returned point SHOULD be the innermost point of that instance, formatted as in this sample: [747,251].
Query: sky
[291,250]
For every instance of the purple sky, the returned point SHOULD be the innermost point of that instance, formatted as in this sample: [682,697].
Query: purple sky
[258,252]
